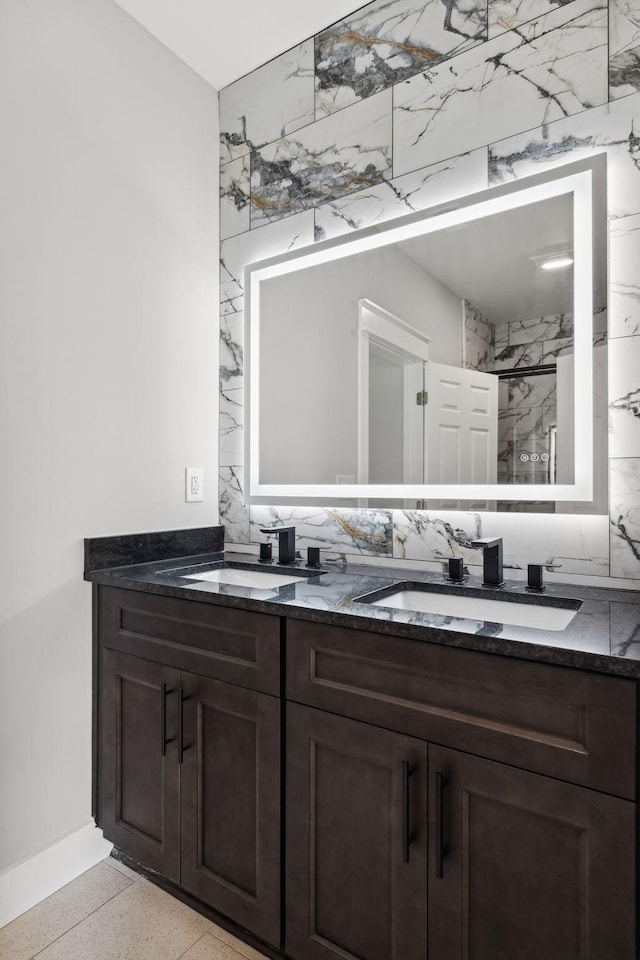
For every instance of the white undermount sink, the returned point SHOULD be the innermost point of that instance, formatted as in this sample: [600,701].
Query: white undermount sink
[540,616]
[256,579]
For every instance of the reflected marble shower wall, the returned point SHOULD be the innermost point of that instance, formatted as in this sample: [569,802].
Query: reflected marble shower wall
[401,106]
[479,342]
[527,402]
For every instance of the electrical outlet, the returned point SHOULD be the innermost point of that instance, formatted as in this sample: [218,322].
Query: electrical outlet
[193,484]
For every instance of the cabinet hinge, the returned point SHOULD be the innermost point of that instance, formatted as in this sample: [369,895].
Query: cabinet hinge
[422,398]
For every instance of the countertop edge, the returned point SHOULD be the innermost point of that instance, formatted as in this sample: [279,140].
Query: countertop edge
[129,578]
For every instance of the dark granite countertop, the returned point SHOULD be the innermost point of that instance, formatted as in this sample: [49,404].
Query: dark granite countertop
[604,635]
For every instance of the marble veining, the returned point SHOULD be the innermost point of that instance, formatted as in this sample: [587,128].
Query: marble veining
[235,197]
[269,241]
[624,397]
[501,335]
[511,14]
[562,43]
[546,69]
[624,73]
[422,536]
[552,349]
[525,423]
[630,402]
[518,355]
[367,532]
[234,513]
[476,322]
[231,351]
[388,41]
[624,48]
[614,128]
[625,517]
[479,339]
[563,545]
[231,427]
[251,116]
[554,327]
[478,354]
[625,630]
[536,391]
[414,191]
[335,156]
[624,277]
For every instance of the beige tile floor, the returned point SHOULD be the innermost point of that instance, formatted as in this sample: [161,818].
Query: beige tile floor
[111,913]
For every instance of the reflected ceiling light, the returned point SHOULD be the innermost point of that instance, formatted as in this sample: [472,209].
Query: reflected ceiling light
[557,263]
[558,258]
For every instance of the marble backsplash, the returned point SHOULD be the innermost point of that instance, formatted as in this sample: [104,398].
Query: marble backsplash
[400,106]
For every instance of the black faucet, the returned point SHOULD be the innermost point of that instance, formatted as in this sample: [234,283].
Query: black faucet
[286,542]
[491,560]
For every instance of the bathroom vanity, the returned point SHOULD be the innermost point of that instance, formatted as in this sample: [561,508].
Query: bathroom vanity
[344,779]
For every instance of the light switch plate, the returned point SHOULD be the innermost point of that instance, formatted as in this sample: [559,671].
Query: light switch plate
[193,484]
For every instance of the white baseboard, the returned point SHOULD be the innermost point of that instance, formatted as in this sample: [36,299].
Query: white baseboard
[30,881]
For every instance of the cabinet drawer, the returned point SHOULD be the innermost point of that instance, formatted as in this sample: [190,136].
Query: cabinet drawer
[565,723]
[237,646]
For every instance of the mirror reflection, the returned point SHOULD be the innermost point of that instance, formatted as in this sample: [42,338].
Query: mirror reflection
[447,358]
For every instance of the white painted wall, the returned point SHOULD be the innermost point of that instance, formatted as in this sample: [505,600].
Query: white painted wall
[309,356]
[108,344]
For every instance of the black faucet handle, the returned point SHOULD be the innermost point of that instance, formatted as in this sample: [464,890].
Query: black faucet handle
[313,556]
[265,551]
[535,573]
[456,569]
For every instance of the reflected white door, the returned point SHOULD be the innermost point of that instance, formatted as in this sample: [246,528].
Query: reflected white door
[461,429]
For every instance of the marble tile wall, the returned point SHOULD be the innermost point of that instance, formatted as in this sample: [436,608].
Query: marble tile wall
[528,404]
[407,104]
[479,344]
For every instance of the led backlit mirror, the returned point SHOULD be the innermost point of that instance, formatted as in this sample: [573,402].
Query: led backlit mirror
[454,358]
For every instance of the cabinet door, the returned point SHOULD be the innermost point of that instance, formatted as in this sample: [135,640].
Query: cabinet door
[356,841]
[139,769]
[532,867]
[230,802]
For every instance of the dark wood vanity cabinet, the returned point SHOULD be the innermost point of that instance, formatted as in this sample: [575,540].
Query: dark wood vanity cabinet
[356,865]
[396,848]
[230,802]
[189,765]
[140,785]
[503,861]
[440,803]
[523,866]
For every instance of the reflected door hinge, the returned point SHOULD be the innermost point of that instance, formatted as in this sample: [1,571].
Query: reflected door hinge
[422,398]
